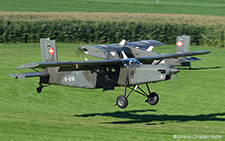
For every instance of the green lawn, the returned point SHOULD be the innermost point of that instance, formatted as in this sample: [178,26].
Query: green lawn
[201,7]
[191,103]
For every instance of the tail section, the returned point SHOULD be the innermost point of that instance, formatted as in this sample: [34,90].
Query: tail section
[49,53]
[48,50]
[183,43]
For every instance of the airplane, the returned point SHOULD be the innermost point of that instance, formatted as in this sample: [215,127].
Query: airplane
[140,48]
[106,74]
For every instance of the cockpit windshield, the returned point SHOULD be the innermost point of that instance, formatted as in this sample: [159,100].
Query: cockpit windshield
[130,62]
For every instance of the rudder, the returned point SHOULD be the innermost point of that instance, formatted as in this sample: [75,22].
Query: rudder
[48,50]
[183,43]
[49,53]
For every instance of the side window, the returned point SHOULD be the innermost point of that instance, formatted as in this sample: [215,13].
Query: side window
[102,69]
[113,69]
[107,69]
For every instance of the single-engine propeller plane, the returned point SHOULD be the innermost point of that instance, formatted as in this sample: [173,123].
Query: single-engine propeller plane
[140,48]
[106,74]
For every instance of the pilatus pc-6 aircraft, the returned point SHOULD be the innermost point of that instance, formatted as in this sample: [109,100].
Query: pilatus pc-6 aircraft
[106,74]
[140,48]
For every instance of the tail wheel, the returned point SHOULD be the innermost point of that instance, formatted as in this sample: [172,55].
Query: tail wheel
[153,98]
[121,101]
[39,89]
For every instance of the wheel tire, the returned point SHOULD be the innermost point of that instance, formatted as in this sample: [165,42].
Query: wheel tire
[153,99]
[39,89]
[121,101]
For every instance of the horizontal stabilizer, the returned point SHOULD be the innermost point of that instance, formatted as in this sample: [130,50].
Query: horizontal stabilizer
[28,74]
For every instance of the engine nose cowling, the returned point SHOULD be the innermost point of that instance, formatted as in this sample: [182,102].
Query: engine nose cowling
[173,70]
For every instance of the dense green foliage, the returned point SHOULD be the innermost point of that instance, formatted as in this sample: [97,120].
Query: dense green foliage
[191,103]
[107,32]
[100,31]
[201,7]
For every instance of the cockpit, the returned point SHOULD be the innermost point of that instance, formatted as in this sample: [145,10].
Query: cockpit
[130,62]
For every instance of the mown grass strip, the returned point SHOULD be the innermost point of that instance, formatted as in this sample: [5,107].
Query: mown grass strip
[191,103]
[114,17]
[204,7]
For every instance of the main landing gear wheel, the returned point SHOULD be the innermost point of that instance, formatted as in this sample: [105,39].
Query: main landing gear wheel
[153,98]
[121,101]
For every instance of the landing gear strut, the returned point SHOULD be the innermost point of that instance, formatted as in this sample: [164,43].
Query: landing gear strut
[152,97]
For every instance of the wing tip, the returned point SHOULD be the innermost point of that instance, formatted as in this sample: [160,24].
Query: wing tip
[17,76]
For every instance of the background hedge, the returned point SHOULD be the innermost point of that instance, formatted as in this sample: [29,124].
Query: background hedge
[107,32]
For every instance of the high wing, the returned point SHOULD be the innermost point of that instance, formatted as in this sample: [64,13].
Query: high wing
[76,65]
[147,59]
[112,51]
[144,44]
[94,64]
[62,66]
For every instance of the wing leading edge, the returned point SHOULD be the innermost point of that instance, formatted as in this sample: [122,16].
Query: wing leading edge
[173,55]
[84,65]
[79,65]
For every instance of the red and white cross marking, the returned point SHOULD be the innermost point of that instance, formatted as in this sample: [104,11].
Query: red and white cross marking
[51,51]
[179,43]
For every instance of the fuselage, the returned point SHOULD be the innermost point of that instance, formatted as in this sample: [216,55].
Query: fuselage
[108,77]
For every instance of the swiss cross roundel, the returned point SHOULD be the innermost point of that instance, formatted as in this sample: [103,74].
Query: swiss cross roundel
[179,43]
[51,51]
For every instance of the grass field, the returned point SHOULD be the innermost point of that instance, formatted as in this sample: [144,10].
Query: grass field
[203,7]
[191,103]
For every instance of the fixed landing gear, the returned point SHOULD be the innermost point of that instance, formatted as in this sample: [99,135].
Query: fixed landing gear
[39,89]
[152,97]
[121,101]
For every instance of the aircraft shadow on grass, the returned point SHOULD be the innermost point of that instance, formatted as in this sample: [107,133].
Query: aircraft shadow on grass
[150,118]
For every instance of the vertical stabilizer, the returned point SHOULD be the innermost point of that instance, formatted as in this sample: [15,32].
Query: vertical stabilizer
[48,50]
[183,43]
[49,53]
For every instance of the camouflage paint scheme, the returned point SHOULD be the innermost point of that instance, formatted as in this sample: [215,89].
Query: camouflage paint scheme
[110,76]
[140,48]
[106,74]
